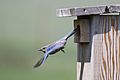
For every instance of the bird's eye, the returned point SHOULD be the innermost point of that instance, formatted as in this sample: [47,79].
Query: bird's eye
[44,48]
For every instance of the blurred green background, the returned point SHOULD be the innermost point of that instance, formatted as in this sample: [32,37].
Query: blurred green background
[25,26]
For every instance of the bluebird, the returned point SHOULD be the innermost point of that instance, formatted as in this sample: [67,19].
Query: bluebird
[54,48]
[43,49]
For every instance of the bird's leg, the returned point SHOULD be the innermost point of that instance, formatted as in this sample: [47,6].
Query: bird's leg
[63,50]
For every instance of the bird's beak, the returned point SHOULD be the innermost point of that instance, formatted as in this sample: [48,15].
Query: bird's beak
[39,50]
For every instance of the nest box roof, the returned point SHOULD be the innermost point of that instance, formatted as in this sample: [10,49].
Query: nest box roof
[98,10]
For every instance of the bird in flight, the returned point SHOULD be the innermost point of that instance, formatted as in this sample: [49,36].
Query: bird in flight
[54,48]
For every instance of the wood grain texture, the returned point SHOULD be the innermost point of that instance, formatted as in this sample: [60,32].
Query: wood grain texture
[83,35]
[84,31]
[77,11]
[110,60]
[77,35]
[105,50]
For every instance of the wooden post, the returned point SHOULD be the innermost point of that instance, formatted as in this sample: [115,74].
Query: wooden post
[98,41]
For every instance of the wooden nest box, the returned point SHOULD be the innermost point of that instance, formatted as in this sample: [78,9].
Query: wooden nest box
[98,41]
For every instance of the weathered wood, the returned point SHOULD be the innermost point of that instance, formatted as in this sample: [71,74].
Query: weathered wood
[105,53]
[99,59]
[76,11]
[110,60]
[83,36]
[77,35]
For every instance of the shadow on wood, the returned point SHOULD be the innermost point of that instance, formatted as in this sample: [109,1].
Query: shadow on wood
[100,56]
[81,70]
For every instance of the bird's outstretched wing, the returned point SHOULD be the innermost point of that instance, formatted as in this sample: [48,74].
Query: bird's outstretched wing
[41,61]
